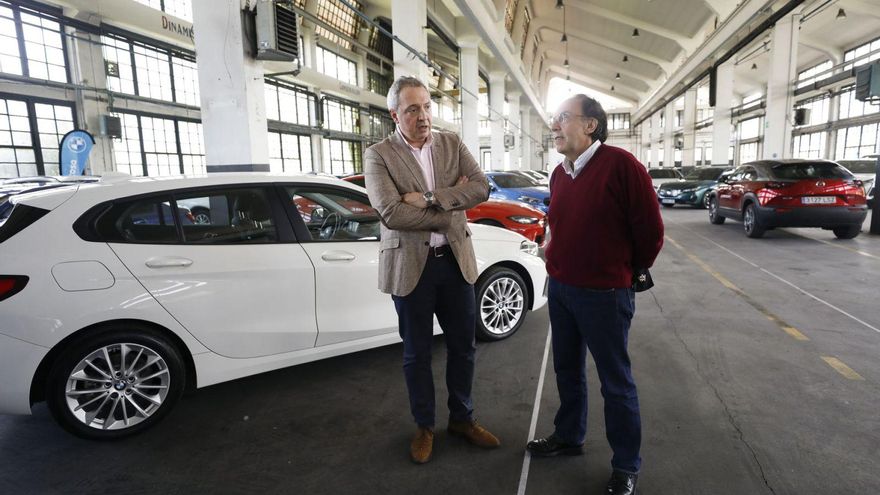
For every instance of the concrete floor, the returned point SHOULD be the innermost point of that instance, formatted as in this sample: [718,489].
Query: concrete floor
[734,400]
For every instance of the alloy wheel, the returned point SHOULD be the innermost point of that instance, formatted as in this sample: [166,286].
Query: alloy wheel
[502,305]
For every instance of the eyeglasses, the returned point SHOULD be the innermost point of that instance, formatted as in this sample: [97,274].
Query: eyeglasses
[564,117]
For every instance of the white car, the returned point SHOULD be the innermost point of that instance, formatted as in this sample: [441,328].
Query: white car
[663,175]
[865,171]
[113,299]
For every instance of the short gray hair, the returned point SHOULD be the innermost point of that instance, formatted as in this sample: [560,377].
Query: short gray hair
[398,85]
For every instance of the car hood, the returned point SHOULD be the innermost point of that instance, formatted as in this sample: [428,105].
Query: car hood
[686,184]
[490,233]
[535,192]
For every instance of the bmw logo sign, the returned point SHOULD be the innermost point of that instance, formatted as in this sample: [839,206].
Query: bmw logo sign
[77,144]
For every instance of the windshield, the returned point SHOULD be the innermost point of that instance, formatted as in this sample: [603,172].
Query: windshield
[659,173]
[810,170]
[507,181]
[708,173]
[860,166]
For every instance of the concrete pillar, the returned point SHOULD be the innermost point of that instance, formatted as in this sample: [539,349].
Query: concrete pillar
[645,144]
[525,120]
[513,109]
[85,49]
[231,87]
[309,46]
[669,135]
[469,80]
[656,132]
[783,64]
[721,120]
[496,117]
[688,151]
[409,18]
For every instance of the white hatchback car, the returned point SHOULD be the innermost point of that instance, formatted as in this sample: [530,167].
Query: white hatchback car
[113,299]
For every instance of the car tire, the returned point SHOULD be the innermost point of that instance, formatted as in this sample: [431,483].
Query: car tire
[201,216]
[751,223]
[502,297]
[704,204]
[847,231]
[493,223]
[100,400]
[714,216]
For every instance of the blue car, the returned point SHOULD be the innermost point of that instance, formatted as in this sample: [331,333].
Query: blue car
[514,187]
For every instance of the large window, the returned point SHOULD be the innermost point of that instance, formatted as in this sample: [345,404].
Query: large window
[851,107]
[808,145]
[151,72]
[290,152]
[818,109]
[813,74]
[341,116]
[751,129]
[510,14]
[862,54]
[177,8]
[289,103]
[337,66]
[381,124]
[617,121]
[157,146]
[856,142]
[527,19]
[342,157]
[748,152]
[336,14]
[40,36]
[30,132]
[378,83]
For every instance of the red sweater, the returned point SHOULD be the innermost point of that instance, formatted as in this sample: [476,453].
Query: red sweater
[604,222]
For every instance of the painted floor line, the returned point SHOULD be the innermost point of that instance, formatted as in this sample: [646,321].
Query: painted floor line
[524,474]
[842,368]
[777,277]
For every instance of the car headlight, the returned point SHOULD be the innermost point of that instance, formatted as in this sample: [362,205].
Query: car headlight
[529,247]
[524,219]
[530,200]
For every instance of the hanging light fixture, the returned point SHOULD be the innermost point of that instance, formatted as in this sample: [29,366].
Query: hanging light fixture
[617,76]
[564,38]
[625,58]
[612,88]
[564,34]
[841,14]
[565,64]
[559,4]
[635,33]
[754,66]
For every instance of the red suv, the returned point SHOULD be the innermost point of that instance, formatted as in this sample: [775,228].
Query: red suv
[791,193]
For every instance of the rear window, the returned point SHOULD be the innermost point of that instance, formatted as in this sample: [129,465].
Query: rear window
[809,170]
[659,173]
[16,217]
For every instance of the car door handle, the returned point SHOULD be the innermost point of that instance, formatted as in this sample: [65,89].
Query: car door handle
[337,256]
[169,262]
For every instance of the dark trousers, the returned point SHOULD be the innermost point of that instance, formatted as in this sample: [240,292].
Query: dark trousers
[442,291]
[597,320]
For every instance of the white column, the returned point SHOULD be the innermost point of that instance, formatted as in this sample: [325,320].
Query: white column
[688,154]
[783,64]
[496,116]
[231,87]
[525,120]
[514,117]
[409,18]
[656,132]
[86,50]
[309,47]
[669,135]
[470,79]
[721,134]
[645,155]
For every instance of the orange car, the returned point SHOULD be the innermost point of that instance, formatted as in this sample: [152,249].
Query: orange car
[523,219]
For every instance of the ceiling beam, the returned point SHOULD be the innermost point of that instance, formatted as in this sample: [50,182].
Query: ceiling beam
[722,8]
[547,49]
[684,42]
[638,85]
[606,82]
[588,83]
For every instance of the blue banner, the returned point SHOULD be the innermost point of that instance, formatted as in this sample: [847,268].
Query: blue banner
[75,148]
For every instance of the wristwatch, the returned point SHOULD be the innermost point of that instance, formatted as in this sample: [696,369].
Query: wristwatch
[429,198]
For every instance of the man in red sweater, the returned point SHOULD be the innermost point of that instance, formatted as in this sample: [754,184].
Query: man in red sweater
[605,223]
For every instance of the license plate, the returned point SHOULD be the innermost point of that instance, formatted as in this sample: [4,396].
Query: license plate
[669,201]
[818,200]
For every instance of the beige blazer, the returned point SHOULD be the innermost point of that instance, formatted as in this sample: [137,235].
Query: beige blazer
[390,171]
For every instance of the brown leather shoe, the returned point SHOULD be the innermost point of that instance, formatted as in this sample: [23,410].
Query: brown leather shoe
[473,433]
[421,445]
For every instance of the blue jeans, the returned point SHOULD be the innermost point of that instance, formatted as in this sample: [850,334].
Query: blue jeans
[597,320]
[441,290]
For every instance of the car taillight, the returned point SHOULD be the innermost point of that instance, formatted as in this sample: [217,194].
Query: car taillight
[11,285]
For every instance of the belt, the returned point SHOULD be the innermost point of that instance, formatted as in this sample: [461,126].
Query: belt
[438,251]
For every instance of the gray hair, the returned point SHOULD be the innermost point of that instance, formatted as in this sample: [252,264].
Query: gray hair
[398,85]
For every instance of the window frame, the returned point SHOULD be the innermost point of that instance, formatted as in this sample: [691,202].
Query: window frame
[176,119]
[36,144]
[299,225]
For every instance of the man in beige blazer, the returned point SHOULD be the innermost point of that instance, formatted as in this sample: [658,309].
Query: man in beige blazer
[421,182]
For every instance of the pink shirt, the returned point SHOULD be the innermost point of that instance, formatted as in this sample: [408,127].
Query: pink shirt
[426,162]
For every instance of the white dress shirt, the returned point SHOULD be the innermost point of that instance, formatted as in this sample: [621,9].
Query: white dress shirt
[426,162]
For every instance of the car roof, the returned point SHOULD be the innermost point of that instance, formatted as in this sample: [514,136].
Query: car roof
[123,186]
